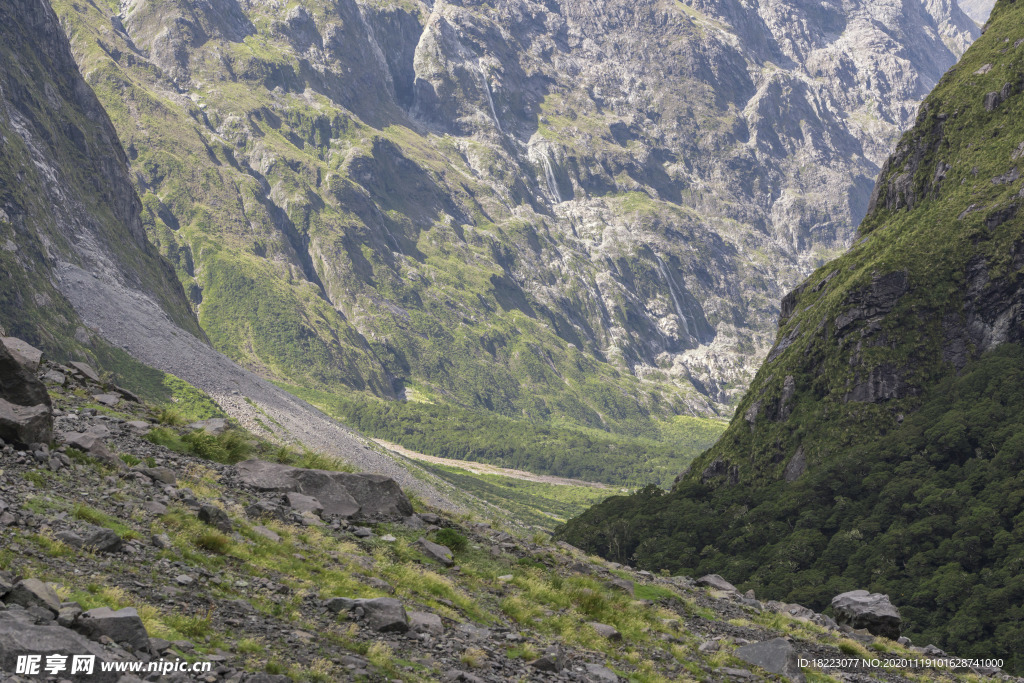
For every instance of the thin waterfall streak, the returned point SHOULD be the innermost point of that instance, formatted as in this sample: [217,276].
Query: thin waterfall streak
[490,100]
[675,298]
[549,175]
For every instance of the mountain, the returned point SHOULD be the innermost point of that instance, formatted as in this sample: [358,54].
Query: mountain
[880,445]
[67,203]
[978,10]
[577,212]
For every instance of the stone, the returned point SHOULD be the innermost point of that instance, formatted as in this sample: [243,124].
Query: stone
[595,673]
[300,502]
[28,356]
[605,631]
[362,532]
[154,508]
[140,425]
[109,400]
[70,538]
[87,371]
[550,663]
[103,540]
[717,582]
[69,611]
[871,611]
[93,444]
[30,592]
[184,580]
[21,636]
[426,622]
[384,615]
[25,424]
[266,533]
[435,551]
[361,497]
[163,475]
[54,377]
[624,585]
[215,517]
[122,626]
[777,656]
[215,426]
[161,541]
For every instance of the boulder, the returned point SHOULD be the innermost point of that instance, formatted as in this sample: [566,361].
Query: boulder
[33,592]
[605,631]
[776,656]
[624,585]
[717,582]
[600,674]
[25,425]
[28,356]
[122,626]
[26,414]
[93,444]
[380,614]
[300,502]
[102,540]
[266,533]
[363,497]
[21,636]
[426,622]
[87,371]
[215,517]
[160,474]
[215,426]
[109,400]
[871,611]
[435,551]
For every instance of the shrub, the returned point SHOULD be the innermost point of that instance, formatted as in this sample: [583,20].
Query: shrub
[452,539]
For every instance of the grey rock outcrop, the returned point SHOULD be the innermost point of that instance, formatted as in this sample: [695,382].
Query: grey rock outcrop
[33,593]
[215,517]
[28,356]
[717,582]
[871,611]
[363,497]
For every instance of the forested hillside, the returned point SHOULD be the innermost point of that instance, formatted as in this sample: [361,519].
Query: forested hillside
[881,445]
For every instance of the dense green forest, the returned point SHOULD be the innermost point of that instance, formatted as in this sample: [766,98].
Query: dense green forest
[448,431]
[931,513]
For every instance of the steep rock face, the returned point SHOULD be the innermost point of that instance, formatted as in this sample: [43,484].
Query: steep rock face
[978,10]
[66,196]
[518,206]
[894,380]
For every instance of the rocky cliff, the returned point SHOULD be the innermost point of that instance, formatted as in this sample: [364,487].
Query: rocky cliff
[66,195]
[584,211]
[881,435]
[978,10]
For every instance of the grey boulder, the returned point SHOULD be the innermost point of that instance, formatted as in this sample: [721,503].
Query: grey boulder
[363,497]
[28,356]
[871,611]
[21,636]
[33,593]
[215,517]
[717,582]
[776,656]
[26,414]
[122,626]
[600,674]
[215,426]
[426,622]
[380,614]
[435,551]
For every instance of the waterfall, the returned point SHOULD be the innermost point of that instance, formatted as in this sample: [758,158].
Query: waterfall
[549,174]
[675,297]
[490,100]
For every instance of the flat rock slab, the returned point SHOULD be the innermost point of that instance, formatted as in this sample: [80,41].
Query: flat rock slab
[122,626]
[624,585]
[369,497]
[109,400]
[33,592]
[87,371]
[873,611]
[776,656]
[163,475]
[600,674]
[717,582]
[21,636]
[605,630]
[435,551]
